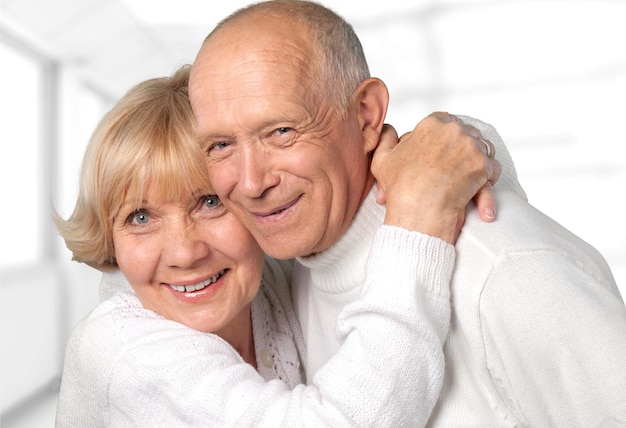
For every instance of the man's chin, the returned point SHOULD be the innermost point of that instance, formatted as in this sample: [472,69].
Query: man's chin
[284,249]
[280,252]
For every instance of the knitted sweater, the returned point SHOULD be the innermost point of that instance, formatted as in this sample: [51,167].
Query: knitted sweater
[538,328]
[126,366]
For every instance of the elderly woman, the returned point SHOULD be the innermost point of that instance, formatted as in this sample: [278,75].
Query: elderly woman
[206,335]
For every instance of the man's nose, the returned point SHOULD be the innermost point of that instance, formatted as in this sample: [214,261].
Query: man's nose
[256,172]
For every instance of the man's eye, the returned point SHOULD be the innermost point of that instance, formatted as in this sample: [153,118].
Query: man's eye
[218,150]
[282,137]
[283,130]
[219,145]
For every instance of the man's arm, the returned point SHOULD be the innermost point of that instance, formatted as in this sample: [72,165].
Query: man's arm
[554,332]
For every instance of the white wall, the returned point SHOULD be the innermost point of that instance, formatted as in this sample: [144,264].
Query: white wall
[43,294]
[549,75]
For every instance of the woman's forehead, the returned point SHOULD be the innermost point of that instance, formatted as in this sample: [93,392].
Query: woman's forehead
[174,189]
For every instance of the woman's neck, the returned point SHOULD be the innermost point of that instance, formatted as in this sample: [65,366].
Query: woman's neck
[239,334]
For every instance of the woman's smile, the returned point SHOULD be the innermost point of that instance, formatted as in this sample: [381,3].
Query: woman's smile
[198,286]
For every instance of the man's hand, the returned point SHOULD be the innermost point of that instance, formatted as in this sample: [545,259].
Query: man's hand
[428,177]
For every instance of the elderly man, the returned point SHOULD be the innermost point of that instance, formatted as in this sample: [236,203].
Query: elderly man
[288,117]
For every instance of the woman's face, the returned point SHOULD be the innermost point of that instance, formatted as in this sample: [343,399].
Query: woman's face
[189,260]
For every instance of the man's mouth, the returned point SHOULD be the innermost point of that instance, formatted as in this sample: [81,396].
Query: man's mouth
[278,210]
[199,286]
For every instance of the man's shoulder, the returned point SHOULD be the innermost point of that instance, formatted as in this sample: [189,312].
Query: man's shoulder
[508,179]
[520,227]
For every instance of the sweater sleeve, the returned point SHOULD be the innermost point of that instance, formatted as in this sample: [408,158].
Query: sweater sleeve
[555,340]
[388,371]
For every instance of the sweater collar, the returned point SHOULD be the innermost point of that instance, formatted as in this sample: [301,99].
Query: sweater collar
[341,268]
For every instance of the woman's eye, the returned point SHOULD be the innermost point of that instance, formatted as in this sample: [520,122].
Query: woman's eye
[139,217]
[212,201]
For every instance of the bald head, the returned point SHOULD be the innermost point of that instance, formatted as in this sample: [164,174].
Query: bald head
[257,54]
[332,52]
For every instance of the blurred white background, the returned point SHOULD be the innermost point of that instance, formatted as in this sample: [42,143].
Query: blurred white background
[549,75]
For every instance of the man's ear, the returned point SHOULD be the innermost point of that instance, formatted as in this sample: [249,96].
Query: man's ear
[372,99]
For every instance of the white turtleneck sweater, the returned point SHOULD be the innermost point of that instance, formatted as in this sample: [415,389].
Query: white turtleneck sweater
[538,328]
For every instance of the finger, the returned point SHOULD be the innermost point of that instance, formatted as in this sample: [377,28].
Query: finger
[445,116]
[381,197]
[405,135]
[388,138]
[494,170]
[472,131]
[486,147]
[387,141]
[486,203]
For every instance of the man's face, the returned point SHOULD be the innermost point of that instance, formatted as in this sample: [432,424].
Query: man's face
[278,156]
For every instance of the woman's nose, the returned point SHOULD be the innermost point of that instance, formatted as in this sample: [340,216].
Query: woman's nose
[184,247]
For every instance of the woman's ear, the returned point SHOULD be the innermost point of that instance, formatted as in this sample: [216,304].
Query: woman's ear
[372,99]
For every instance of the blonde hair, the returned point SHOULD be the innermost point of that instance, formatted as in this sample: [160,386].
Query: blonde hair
[148,138]
[339,58]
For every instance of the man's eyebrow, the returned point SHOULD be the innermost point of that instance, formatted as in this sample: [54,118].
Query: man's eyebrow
[203,140]
[259,128]
[212,136]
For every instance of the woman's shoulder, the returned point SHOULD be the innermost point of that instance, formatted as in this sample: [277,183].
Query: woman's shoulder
[109,327]
[122,321]
[94,347]
[121,329]
[122,349]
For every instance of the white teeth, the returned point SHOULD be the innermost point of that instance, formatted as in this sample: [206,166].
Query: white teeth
[198,286]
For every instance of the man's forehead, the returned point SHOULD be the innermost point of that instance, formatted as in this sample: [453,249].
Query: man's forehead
[256,77]
[244,118]
[249,40]
[248,65]
[251,81]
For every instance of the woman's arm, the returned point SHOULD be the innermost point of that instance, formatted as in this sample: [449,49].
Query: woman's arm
[387,373]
